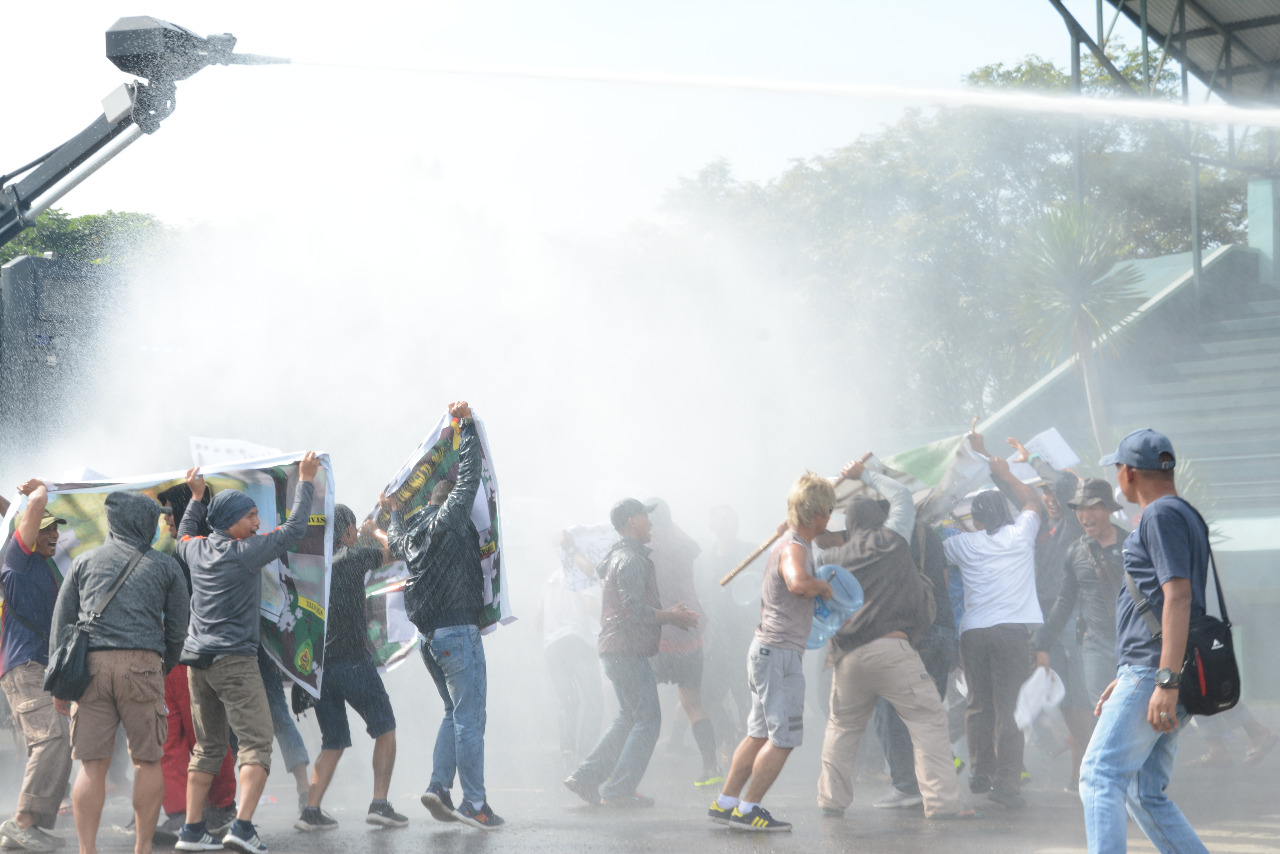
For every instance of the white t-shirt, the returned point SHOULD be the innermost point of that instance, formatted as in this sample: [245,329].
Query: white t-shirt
[999,573]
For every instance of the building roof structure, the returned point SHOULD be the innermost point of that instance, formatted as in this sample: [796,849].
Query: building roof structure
[1232,46]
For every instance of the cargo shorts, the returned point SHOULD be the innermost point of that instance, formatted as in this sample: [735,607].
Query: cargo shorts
[126,686]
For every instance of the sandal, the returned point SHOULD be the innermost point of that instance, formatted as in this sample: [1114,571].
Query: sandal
[1254,755]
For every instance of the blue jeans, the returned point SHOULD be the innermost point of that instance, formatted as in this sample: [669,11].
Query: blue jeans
[620,759]
[1128,764]
[292,747]
[454,657]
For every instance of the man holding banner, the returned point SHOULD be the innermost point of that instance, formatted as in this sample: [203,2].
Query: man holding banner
[445,599]
[221,650]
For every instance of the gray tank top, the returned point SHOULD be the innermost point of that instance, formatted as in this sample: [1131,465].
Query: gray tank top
[785,618]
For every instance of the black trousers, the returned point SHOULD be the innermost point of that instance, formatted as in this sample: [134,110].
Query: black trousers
[996,661]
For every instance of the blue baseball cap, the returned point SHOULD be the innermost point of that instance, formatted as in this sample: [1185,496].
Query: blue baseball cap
[1141,449]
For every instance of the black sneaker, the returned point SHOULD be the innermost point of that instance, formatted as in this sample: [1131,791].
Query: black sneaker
[383,815]
[757,821]
[482,818]
[1009,800]
[590,794]
[313,819]
[438,802]
[718,814]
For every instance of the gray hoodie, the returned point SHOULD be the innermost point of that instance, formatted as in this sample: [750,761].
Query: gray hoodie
[150,609]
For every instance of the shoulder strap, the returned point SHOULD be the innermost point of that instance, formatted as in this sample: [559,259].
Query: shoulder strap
[31,627]
[1143,607]
[133,561]
[1213,564]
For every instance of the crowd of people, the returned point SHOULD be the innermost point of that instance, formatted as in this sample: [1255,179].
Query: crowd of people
[176,664]
[1022,578]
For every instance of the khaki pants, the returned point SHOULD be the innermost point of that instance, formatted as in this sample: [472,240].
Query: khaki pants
[888,668]
[48,742]
[229,693]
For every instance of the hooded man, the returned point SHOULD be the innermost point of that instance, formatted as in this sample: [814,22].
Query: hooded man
[134,641]
[30,590]
[221,648]
[874,654]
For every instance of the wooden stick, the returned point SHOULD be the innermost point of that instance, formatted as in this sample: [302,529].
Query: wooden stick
[749,559]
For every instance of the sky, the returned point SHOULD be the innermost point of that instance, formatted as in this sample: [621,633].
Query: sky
[247,145]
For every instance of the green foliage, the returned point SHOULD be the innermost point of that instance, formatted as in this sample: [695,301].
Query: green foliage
[109,238]
[909,237]
[1075,291]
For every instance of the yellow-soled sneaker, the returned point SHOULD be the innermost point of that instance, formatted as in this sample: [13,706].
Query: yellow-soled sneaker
[718,814]
[757,821]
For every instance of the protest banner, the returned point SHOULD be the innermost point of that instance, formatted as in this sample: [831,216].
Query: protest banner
[295,590]
[436,458]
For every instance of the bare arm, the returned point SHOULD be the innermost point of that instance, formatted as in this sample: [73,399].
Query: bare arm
[799,582]
[1175,620]
[1023,494]
[37,499]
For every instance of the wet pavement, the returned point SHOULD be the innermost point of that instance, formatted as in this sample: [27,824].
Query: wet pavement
[1236,809]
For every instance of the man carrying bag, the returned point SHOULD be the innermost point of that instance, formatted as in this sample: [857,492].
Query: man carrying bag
[1130,757]
[135,600]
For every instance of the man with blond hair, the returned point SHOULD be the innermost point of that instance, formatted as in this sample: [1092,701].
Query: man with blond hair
[774,661]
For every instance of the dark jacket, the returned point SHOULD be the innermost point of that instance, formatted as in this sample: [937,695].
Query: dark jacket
[442,548]
[1096,595]
[226,576]
[629,601]
[149,611]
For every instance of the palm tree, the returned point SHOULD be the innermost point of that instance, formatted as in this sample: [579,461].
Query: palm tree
[1078,295]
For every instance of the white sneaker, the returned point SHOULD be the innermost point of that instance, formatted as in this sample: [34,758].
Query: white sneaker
[204,843]
[896,800]
[252,845]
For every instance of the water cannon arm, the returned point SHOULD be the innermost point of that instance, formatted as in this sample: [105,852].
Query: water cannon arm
[156,50]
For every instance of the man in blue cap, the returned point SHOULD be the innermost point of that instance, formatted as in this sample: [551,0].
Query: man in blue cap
[221,649]
[1130,757]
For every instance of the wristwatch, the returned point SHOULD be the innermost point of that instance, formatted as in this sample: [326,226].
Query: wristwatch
[1166,678]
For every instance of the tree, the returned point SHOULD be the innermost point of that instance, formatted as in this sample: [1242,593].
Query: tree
[108,238]
[907,239]
[1076,294]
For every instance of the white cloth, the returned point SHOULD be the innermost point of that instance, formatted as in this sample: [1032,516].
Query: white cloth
[999,573]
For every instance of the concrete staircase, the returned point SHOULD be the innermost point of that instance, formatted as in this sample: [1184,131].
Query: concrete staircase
[1218,399]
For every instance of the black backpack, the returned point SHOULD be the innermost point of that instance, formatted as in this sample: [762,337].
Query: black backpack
[1210,676]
